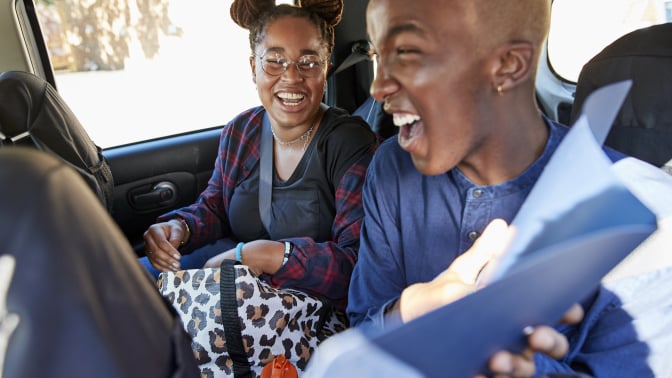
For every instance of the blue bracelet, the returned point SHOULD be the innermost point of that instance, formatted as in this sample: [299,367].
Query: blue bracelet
[239,252]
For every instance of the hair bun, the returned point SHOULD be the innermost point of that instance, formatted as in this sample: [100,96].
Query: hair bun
[329,10]
[245,12]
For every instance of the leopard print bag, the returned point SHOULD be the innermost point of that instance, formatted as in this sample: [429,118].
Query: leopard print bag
[271,321]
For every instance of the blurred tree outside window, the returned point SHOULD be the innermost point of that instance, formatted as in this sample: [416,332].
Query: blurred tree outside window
[133,70]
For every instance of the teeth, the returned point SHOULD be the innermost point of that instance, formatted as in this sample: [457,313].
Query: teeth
[290,96]
[404,119]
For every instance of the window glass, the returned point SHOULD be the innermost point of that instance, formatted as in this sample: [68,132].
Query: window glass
[133,70]
[580,28]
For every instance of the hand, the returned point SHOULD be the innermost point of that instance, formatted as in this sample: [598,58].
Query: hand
[216,261]
[161,243]
[542,339]
[461,277]
[261,256]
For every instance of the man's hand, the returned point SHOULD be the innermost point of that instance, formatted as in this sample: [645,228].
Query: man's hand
[461,277]
[542,339]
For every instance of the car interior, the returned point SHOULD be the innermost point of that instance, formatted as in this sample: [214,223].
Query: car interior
[158,173]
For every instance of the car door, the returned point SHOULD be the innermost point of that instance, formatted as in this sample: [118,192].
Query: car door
[153,86]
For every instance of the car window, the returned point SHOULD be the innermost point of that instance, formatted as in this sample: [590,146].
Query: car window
[137,70]
[580,29]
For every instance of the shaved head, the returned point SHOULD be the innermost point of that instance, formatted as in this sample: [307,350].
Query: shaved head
[503,21]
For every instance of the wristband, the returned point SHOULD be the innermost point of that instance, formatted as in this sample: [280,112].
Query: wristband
[239,252]
[288,251]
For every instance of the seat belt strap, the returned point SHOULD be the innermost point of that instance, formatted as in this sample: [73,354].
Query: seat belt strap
[361,50]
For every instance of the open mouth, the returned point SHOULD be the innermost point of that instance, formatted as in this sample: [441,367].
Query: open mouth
[291,98]
[410,127]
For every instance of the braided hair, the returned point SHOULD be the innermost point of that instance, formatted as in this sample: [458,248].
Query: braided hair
[256,15]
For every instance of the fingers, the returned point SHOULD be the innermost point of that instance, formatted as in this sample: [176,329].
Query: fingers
[161,251]
[548,341]
[214,262]
[505,364]
[163,261]
[492,242]
[574,315]
[423,297]
[542,339]
[461,276]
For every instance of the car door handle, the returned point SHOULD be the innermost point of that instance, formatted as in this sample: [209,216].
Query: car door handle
[161,194]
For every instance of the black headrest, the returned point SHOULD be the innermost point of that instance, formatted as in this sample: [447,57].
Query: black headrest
[643,127]
[32,113]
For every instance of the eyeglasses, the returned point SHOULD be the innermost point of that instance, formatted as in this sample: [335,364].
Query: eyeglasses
[275,64]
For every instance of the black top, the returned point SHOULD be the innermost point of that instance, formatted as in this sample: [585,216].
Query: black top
[304,205]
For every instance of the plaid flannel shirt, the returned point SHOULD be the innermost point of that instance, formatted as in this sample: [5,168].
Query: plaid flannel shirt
[320,268]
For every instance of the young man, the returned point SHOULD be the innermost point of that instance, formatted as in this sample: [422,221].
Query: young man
[458,78]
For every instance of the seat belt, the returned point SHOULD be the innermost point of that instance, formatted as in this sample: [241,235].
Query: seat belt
[266,173]
[361,50]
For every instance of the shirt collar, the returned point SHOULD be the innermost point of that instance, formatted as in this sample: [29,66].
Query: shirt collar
[527,178]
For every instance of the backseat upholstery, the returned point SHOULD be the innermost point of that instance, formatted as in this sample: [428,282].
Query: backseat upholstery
[81,304]
[643,127]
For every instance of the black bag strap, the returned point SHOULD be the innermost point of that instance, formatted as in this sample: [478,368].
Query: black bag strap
[265,173]
[229,308]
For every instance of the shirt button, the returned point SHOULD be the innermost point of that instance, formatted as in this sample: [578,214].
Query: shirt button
[473,235]
[477,193]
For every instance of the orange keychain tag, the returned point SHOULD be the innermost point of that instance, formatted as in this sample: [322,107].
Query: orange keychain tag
[280,367]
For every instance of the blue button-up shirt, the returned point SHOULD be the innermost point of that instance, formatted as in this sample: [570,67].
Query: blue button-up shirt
[416,225]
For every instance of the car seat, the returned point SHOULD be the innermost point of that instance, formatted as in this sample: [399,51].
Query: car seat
[74,302]
[33,114]
[643,127]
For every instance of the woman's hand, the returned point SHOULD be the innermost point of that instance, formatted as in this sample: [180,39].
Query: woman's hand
[261,256]
[161,243]
[216,261]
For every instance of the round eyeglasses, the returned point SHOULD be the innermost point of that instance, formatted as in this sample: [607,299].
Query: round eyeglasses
[275,64]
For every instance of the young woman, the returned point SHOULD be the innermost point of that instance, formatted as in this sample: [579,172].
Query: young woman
[319,157]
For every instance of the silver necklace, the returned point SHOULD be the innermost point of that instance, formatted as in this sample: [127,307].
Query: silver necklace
[305,137]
